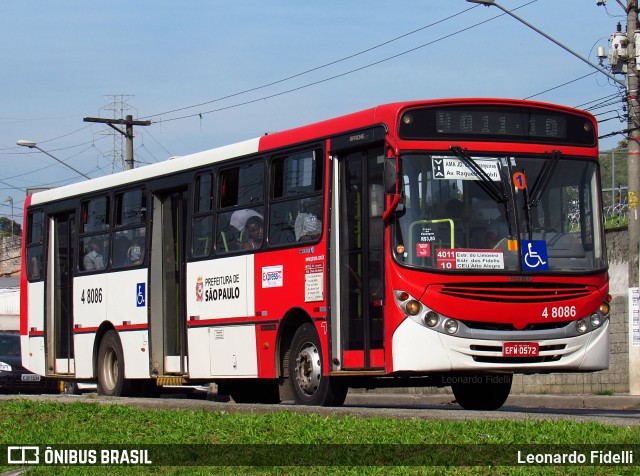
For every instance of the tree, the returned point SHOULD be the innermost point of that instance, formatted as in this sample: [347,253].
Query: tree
[5,227]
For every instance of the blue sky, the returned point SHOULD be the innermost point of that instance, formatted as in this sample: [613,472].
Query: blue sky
[65,60]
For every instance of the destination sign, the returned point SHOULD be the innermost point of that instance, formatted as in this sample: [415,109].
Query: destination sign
[496,123]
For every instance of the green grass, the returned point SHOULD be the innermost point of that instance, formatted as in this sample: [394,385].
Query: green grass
[49,423]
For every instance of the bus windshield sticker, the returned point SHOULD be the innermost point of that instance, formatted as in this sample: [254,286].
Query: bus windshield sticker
[423,250]
[448,168]
[469,259]
[534,255]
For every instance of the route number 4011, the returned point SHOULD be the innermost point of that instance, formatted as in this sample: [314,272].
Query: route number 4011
[559,312]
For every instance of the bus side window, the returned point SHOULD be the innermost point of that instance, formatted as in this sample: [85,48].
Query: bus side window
[34,245]
[241,196]
[129,237]
[296,198]
[203,216]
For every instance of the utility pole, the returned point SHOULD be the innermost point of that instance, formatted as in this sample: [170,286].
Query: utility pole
[633,158]
[128,122]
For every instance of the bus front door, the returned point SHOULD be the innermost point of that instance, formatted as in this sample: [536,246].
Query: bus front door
[167,321]
[59,315]
[360,262]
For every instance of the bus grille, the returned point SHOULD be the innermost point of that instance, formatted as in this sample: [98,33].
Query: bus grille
[502,326]
[514,292]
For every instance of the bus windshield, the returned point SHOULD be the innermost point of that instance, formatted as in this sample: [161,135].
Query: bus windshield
[521,214]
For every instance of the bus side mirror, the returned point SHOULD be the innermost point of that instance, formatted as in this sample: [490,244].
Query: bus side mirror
[390,175]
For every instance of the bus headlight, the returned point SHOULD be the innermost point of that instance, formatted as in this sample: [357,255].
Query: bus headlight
[582,326]
[431,319]
[4,367]
[451,326]
[604,308]
[596,320]
[413,307]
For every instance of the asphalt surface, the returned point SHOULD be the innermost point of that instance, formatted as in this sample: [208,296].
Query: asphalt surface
[568,402]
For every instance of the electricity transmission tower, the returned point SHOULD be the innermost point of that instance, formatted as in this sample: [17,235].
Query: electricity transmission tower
[117,109]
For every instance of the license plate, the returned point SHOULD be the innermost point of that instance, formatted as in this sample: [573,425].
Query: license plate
[30,378]
[520,349]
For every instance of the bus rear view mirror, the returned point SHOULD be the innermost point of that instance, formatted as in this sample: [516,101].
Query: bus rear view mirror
[390,175]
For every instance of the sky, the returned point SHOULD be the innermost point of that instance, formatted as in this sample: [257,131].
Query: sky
[208,73]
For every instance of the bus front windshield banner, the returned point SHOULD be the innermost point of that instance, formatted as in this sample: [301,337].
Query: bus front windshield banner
[452,219]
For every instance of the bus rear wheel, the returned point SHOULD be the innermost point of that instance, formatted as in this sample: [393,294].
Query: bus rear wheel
[111,380]
[482,391]
[309,385]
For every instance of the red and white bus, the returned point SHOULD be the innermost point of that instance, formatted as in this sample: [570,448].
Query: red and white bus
[445,242]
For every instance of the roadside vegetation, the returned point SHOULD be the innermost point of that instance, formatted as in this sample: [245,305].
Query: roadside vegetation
[286,437]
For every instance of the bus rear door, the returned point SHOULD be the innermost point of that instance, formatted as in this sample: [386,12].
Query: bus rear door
[167,321]
[59,289]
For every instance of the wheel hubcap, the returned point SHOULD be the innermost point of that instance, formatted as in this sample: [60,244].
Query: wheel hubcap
[110,370]
[308,369]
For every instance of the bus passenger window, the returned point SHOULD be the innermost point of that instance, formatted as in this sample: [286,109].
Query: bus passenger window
[94,255]
[241,198]
[34,245]
[95,215]
[202,233]
[203,216]
[129,238]
[34,263]
[296,198]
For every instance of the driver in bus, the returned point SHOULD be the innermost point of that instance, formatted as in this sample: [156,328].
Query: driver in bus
[498,228]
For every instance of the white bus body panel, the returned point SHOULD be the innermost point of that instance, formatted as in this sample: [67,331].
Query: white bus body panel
[417,348]
[218,290]
[233,351]
[120,304]
[34,357]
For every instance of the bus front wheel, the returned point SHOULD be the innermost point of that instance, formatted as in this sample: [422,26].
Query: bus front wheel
[111,380]
[482,391]
[309,385]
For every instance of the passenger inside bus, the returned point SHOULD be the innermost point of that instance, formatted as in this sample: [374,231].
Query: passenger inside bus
[254,230]
[121,245]
[93,259]
[135,253]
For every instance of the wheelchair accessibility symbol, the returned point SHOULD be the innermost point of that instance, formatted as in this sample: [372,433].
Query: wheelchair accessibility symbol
[141,296]
[534,255]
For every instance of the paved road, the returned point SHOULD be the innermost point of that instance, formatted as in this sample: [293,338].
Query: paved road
[619,410]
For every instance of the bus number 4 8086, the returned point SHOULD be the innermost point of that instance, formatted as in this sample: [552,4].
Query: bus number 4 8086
[93,296]
[558,312]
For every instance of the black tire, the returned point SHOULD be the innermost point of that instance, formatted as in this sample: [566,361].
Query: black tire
[111,381]
[309,385]
[482,391]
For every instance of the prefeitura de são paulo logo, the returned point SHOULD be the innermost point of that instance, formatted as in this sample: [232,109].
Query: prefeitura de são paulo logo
[199,292]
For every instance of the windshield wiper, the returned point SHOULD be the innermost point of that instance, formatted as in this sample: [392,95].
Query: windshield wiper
[542,181]
[485,182]
[539,186]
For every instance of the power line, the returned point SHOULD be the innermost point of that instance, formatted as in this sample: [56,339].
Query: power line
[367,50]
[315,83]
[561,85]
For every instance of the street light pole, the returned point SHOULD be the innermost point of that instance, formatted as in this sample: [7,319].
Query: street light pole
[10,200]
[32,145]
